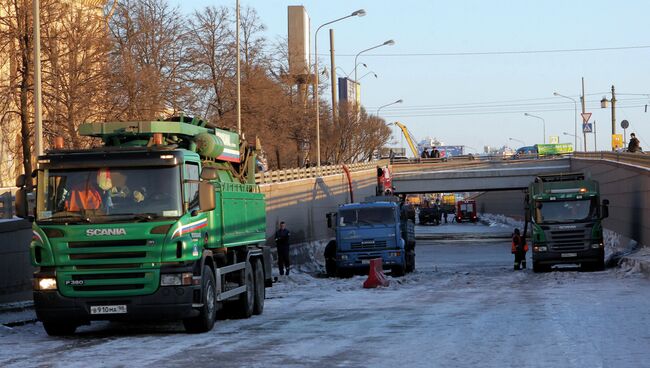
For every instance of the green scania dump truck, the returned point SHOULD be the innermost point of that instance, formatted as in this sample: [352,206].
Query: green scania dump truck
[566,214]
[163,221]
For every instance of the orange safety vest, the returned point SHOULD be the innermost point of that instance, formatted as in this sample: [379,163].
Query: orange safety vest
[80,199]
[513,249]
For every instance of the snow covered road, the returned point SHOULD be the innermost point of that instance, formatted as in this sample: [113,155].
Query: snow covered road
[463,307]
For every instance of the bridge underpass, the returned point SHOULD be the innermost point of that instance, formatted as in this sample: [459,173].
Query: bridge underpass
[480,177]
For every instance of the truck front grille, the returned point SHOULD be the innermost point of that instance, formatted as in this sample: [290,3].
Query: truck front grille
[107,243]
[107,255]
[567,239]
[369,244]
[108,287]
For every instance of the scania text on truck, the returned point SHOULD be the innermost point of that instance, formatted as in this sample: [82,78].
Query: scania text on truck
[566,214]
[164,221]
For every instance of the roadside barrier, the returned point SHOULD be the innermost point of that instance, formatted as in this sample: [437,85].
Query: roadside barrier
[376,275]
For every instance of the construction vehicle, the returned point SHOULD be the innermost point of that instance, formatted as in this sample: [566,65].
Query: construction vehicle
[448,204]
[409,139]
[376,228]
[466,211]
[566,213]
[164,221]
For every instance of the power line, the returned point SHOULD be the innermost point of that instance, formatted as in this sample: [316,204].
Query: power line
[459,113]
[516,52]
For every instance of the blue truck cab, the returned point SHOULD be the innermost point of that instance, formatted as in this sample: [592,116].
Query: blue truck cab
[378,228]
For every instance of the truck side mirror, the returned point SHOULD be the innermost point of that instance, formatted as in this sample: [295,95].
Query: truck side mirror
[329,220]
[21,202]
[539,205]
[604,211]
[209,173]
[207,201]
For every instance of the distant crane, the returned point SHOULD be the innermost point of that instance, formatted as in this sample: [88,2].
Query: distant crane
[409,139]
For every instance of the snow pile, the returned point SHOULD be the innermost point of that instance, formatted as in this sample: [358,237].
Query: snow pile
[493,220]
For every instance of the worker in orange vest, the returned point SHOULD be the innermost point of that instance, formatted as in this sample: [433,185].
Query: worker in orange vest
[519,249]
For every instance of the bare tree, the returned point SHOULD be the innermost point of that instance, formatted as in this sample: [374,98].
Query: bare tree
[148,60]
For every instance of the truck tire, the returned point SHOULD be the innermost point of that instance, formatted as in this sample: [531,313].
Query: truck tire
[397,271]
[59,328]
[260,288]
[540,268]
[208,313]
[246,303]
[330,258]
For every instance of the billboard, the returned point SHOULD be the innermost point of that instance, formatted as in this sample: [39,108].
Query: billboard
[348,91]
[298,37]
[449,151]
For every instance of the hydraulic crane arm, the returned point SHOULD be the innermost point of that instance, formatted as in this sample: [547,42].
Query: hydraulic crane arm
[409,138]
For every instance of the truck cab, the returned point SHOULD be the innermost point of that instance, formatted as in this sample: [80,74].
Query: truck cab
[367,230]
[566,213]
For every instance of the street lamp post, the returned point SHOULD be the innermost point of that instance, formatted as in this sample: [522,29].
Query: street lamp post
[388,104]
[573,135]
[358,13]
[369,73]
[387,43]
[543,125]
[575,127]
[517,140]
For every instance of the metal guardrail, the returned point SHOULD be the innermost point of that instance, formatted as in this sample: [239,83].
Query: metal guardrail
[639,159]
[277,176]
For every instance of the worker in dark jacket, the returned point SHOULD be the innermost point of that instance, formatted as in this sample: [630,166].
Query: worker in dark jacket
[282,243]
[634,145]
[519,249]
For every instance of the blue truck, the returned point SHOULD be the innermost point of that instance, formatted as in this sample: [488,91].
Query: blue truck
[378,228]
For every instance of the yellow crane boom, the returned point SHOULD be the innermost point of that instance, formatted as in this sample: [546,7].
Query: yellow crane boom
[409,139]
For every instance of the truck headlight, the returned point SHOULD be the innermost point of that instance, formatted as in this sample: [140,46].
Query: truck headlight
[540,249]
[176,279]
[343,257]
[394,254]
[45,283]
[597,245]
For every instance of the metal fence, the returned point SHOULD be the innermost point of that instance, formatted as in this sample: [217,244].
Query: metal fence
[7,202]
[277,176]
[639,159]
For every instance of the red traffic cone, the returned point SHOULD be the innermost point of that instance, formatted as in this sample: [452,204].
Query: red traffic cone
[376,275]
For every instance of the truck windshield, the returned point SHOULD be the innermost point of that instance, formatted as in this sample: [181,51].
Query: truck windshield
[108,194]
[566,211]
[366,216]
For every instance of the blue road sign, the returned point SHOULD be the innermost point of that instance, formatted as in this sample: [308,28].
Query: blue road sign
[587,128]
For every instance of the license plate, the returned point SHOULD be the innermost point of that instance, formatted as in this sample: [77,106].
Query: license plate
[365,261]
[568,255]
[107,309]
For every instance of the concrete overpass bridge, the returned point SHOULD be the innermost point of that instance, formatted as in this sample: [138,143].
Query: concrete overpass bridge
[471,176]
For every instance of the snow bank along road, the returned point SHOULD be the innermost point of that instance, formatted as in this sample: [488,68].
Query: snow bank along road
[463,307]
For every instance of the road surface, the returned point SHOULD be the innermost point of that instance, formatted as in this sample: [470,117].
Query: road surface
[463,307]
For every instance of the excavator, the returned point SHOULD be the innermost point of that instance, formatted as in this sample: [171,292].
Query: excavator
[409,139]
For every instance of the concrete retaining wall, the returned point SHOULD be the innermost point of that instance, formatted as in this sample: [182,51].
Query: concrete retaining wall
[15,267]
[303,204]
[628,189]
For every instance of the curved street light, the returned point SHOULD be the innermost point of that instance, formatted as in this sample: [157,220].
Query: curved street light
[543,125]
[358,13]
[575,123]
[386,43]
[369,73]
[517,140]
[392,103]
[573,135]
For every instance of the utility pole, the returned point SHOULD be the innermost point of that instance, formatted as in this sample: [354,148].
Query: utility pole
[582,99]
[595,148]
[38,115]
[613,112]
[334,86]
[238,73]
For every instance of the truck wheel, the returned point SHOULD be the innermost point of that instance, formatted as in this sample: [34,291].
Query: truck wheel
[246,303]
[397,271]
[540,268]
[260,290]
[59,328]
[208,313]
